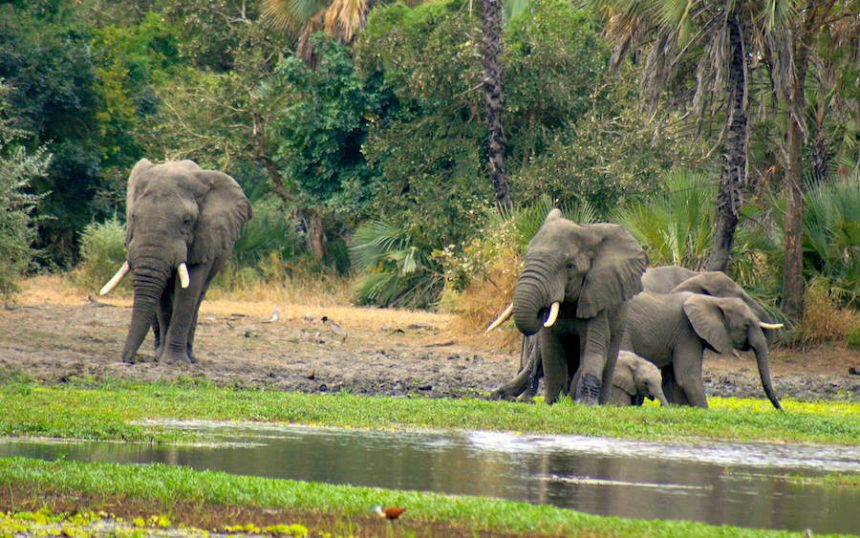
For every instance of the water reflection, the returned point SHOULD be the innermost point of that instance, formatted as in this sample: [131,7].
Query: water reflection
[721,484]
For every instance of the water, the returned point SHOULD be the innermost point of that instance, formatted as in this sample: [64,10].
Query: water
[737,484]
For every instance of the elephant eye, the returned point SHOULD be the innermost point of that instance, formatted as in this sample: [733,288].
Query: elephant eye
[571,265]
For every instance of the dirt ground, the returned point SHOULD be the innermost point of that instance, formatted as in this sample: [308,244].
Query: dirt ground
[56,333]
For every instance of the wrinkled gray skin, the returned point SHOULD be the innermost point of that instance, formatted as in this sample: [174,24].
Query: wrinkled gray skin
[176,212]
[668,278]
[592,270]
[673,330]
[663,279]
[635,379]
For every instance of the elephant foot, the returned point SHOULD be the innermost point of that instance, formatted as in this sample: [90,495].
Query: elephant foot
[588,390]
[175,357]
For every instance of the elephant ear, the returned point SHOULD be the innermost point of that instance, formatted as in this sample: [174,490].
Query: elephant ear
[616,270]
[223,209]
[137,180]
[623,377]
[707,319]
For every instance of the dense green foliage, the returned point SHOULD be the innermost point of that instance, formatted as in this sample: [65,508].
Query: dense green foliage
[386,131]
[172,485]
[113,410]
[17,226]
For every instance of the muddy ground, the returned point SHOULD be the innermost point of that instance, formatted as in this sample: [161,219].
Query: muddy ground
[56,334]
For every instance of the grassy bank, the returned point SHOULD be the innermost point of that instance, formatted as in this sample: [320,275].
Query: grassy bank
[109,411]
[181,495]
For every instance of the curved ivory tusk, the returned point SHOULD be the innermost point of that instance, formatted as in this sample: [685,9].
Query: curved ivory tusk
[502,318]
[553,315]
[184,279]
[771,326]
[115,280]
[736,354]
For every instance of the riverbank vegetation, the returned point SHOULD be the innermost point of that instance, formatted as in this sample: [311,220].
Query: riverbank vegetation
[365,155]
[119,411]
[181,495]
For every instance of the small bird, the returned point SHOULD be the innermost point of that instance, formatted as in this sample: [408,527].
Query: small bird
[275,315]
[389,512]
[335,328]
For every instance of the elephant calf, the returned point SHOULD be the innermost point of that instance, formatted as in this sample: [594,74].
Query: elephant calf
[673,330]
[634,380]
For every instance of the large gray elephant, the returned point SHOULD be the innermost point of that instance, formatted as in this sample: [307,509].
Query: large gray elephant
[572,294]
[669,278]
[182,222]
[672,330]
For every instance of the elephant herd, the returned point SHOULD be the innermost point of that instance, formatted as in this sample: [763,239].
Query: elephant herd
[584,295]
[598,325]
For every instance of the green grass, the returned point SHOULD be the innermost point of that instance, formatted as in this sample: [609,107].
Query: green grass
[109,411]
[169,486]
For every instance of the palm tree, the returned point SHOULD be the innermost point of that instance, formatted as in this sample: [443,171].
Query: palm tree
[341,19]
[717,34]
[491,41]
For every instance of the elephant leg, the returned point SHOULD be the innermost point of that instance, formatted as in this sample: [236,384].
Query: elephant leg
[185,304]
[594,359]
[555,367]
[162,316]
[687,366]
[611,358]
[674,394]
[536,374]
[216,266]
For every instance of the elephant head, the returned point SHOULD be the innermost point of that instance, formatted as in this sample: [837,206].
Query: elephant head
[727,323]
[638,377]
[587,268]
[717,284]
[177,215]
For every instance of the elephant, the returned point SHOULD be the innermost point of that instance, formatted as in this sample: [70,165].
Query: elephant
[672,330]
[572,293]
[669,278]
[182,222]
[634,380]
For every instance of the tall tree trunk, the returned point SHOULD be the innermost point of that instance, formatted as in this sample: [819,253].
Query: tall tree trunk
[491,18]
[734,170]
[792,273]
[316,234]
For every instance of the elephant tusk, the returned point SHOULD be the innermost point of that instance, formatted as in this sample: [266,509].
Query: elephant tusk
[553,315]
[184,280]
[736,354]
[502,318]
[772,326]
[115,280]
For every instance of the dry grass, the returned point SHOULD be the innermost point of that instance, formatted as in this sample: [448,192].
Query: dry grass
[482,302]
[823,319]
[293,299]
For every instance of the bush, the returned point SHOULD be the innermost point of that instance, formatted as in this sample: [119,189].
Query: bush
[102,253]
[17,231]
[675,228]
[393,271]
[824,320]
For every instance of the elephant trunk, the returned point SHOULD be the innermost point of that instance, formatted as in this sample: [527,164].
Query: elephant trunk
[758,343]
[149,285]
[531,303]
[658,393]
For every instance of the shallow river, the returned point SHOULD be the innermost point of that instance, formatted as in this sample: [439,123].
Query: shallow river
[737,484]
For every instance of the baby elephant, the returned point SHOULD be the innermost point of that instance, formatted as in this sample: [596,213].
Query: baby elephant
[633,380]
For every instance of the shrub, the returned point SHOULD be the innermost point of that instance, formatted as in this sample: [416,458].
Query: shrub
[393,271]
[17,223]
[102,253]
[675,228]
[824,320]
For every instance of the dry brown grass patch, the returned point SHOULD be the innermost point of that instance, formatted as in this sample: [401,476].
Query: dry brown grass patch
[823,318]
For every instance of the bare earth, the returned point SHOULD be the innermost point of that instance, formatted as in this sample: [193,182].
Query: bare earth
[55,334]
